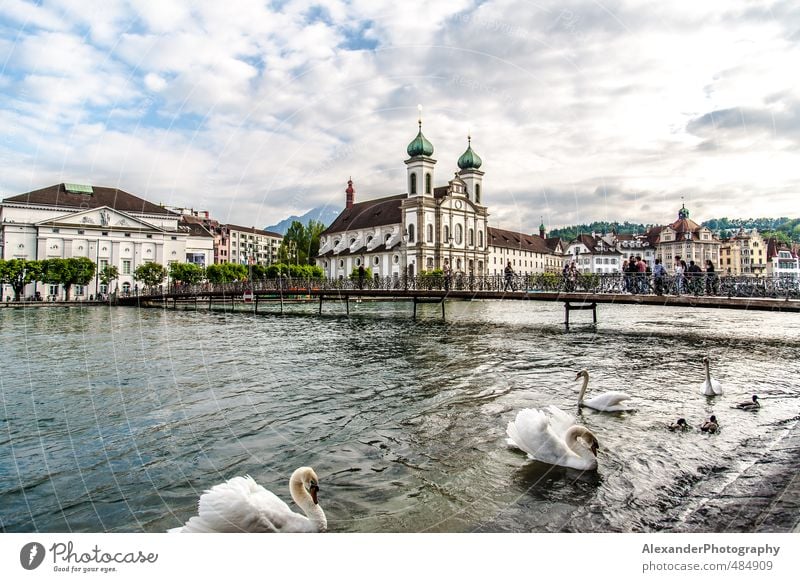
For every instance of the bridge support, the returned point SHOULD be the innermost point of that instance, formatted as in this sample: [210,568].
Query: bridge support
[579,306]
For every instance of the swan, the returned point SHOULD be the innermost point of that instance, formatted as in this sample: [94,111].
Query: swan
[711,425]
[242,505]
[553,438]
[606,402]
[679,425]
[750,405]
[710,386]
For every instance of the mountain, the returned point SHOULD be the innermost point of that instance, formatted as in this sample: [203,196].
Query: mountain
[326,215]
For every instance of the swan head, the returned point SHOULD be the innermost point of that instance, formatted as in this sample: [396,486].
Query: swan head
[582,374]
[582,433]
[705,360]
[305,479]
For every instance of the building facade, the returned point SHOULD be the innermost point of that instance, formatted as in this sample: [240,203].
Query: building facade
[744,254]
[428,227]
[686,239]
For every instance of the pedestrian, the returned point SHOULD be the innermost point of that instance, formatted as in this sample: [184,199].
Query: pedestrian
[711,279]
[362,273]
[641,268]
[679,274]
[448,274]
[509,272]
[565,273]
[659,273]
[695,274]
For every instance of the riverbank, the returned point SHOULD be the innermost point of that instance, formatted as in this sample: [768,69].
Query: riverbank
[38,304]
[765,498]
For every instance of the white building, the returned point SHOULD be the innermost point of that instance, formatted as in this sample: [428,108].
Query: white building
[593,253]
[107,225]
[425,228]
[781,260]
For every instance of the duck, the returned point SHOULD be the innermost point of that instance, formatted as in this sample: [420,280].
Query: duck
[606,402]
[711,425]
[242,505]
[680,424]
[710,386]
[752,404]
[551,436]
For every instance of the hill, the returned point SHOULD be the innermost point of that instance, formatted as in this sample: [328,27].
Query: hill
[326,215]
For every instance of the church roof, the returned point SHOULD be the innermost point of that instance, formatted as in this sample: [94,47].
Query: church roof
[369,214]
[84,197]
[502,238]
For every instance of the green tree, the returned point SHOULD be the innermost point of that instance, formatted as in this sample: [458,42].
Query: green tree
[779,235]
[150,274]
[68,272]
[186,273]
[18,273]
[300,244]
[226,273]
[107,274]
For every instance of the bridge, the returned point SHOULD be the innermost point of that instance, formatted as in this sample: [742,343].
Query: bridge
[749,293]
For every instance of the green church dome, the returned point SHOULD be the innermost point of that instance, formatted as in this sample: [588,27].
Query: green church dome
[469,159]
[420,146]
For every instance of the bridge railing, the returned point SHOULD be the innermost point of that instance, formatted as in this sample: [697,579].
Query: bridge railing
[613,283]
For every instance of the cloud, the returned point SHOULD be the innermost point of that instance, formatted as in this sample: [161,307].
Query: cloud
[580,111]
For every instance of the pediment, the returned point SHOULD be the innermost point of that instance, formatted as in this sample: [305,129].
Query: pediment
[103,218]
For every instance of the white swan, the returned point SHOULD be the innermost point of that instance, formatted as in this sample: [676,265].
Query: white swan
[606,402]
[753,404]
[553,439]
[242,505]
[710,386]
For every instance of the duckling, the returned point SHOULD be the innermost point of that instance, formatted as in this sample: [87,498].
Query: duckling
[680,424]
[748,405]
[711,425]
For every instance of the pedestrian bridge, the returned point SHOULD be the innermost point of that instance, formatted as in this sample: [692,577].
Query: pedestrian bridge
[751,293]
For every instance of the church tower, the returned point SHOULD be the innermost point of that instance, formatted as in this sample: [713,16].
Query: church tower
[419,165]
[469,162]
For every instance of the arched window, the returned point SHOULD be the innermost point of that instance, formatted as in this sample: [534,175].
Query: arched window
[459,234]
[411,233]
[480,239]
[430,233]
[428,183]
[413,185]
[471,237]
[478,193]
[446,237]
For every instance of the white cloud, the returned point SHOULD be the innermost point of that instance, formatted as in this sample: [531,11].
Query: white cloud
[580,111]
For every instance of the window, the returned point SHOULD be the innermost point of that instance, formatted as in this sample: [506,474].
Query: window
[81,232]
[126,267]
[79,290]
[428,183]
[127,234]
[149,236]
[480,239]
[104,233]
[411,233]
[413,184]
[174,237]
[103,264]
[430,233]
[446,237]
[459,234]
[478,193]
[471,237]
[56,230]
[53,290]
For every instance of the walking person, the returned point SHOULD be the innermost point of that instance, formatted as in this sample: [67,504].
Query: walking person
[641,268]
[448,275]
[659,273]
[695,274]
[679,274]
[509,272]
[712,282]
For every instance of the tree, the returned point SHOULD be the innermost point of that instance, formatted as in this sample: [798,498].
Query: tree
[226,273]
[107,274]
[186,273]
[18,273]
[68,272]
[150,274]
[300,244]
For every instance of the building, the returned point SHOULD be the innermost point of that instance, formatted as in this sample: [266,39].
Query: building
[248,245]
[107,225]
[427,227]
[782,260]
[744,254]
[688,240]
[593,253]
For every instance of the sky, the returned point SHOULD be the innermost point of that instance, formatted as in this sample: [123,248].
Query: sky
[581,111]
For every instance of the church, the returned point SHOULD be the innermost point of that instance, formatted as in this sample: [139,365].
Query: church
[430,227]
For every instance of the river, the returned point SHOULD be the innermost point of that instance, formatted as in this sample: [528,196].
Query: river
[116,419]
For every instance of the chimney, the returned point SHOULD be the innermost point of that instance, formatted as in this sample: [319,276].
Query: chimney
[350,194]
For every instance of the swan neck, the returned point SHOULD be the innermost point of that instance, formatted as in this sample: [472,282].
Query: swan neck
[708,372]
[583,389]
[571,438]
[305,502]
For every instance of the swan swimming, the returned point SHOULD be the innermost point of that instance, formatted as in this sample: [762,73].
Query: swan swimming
[606,402]
[710,386]
[750,405]
[242,505]
[553,438]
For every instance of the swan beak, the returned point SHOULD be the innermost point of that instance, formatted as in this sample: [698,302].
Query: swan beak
[314,490]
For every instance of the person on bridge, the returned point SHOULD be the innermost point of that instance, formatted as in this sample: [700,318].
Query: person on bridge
[509,271]
[448,275]
[712,282]
[659,273]
[362,273]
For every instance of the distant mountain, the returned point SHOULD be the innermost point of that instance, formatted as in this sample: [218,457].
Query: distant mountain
[326,215]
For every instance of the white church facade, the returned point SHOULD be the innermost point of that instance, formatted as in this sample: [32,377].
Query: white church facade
[428,227]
